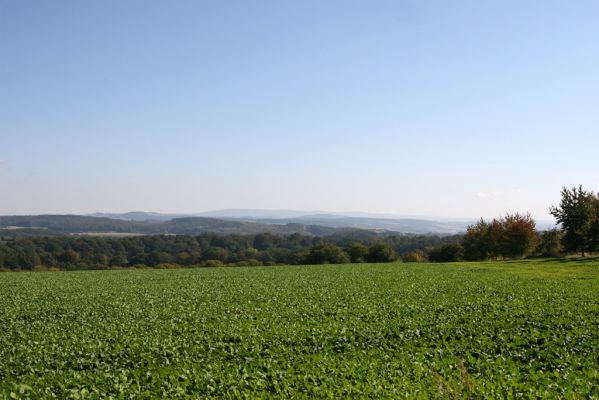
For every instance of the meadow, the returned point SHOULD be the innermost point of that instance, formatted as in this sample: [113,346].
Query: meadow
[466,330]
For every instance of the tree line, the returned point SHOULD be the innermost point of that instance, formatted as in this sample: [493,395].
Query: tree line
[508,237]
[208,250]
[515,236]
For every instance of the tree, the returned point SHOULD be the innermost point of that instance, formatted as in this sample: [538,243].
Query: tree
[510,236]
[327,253]
[550,243]
[446,253]
[415,256]
[519,236]
[380,252]
[69,257]
[358,252]
[216,253]
[578,214]
[476,241]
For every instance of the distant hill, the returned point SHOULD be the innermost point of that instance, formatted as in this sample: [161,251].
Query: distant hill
[254,213]
[360,220]
[402,225]
[140,216]
[230,222]
[331,220]
[79,224]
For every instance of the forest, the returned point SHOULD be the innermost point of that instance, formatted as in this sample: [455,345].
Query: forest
[89,252]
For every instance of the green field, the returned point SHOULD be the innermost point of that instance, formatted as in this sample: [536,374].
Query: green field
[486,330]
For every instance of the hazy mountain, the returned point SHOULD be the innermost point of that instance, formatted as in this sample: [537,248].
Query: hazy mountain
[238,221]
[139,216]
[359,220]
[355,221]
[254,214]
[402,225]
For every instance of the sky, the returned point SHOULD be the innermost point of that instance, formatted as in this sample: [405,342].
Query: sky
[436,108]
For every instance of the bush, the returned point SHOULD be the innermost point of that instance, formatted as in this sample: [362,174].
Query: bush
[446,253]
[550,244]
[358,253]
[380,252]
[414,256]
[211,264]
[248,263]
[327,253]
[167,266]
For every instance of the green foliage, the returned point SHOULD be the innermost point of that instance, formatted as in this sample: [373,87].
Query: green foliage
[578,213]
[212,264]
[511,236]
[44,225]
[216,253]
[69,257]
[414,256]
[327,253]
[358,252]
[550,243]
[489,330]
[381,252]
[518,236]
[447,253]
[68,252]
[477,244]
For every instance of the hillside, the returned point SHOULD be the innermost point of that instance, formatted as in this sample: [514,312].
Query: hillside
[38,225]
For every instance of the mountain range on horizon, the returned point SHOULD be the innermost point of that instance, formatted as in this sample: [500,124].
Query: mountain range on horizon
[238,221]
[355,220]
[250,213]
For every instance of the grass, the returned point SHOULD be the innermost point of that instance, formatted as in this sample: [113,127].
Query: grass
[485,330]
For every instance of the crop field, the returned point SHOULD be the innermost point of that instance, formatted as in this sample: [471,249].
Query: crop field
[485,330]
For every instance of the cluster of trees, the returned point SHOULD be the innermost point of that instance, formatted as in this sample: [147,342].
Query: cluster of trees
[511,236]
[515,236]
[69,252]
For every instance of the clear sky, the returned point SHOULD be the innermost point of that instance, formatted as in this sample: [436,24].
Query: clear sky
[444,108]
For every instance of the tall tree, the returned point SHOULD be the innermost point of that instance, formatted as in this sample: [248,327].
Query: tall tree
[476,241]
[578,214]
[519,235]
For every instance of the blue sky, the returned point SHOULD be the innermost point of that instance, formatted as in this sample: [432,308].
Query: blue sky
[458,109]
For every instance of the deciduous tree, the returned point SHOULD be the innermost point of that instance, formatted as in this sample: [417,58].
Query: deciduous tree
[578,214]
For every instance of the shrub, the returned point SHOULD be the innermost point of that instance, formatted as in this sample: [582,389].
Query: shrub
[327,253]
[167,266]
[248,263]
[358,253]
[380,252]
[446,253]
[211,264]
[414,256]
[550,243]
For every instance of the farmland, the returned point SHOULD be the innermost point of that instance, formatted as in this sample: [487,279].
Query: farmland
[486,330]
